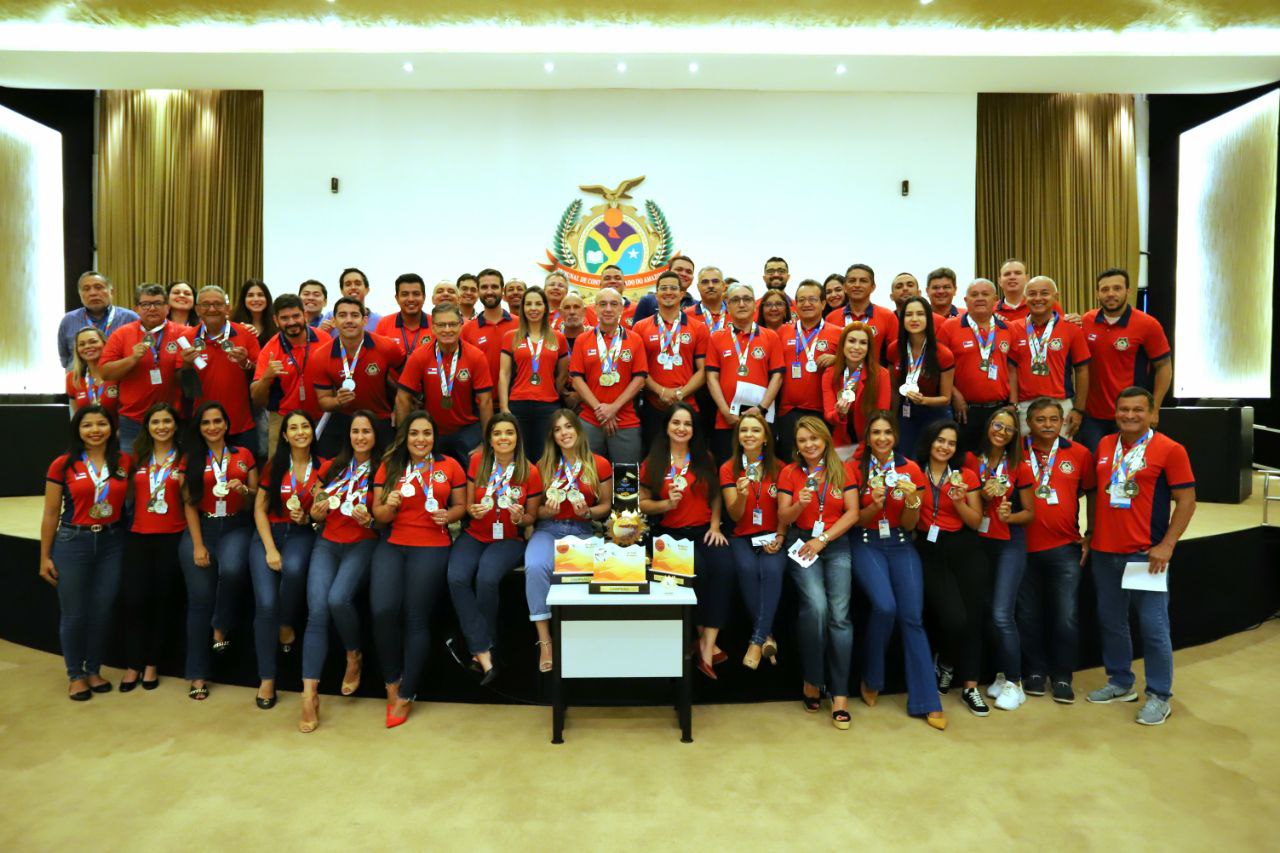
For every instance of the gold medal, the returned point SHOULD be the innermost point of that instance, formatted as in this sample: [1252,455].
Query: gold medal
[294,503]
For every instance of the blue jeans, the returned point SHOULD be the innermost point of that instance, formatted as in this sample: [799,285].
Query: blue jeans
[760,579]
[475,571]
[404,589]
[911,428]
[535,422]
[1049,588]
[459,444]
[337,572]
[128,432]
[1008,559]
[540,558]
[210,590]
[88,567]
[1113,617]
[713,574]
[1093,429]
[824,628]
[278,596]
[888,570]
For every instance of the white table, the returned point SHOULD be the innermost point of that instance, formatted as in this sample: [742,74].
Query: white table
[621,636]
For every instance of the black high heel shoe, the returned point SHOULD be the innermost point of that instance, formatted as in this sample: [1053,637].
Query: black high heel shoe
[129,686]
[265,704]
[150,685]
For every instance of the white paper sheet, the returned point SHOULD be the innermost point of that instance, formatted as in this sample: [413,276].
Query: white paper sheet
[748,394]
[794,553]
[1138,576]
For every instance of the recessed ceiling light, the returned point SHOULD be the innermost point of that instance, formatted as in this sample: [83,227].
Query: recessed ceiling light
[408,67]
[840,69]
[622,68]
[332,1]
[925,2]
[548,67]
[693,68]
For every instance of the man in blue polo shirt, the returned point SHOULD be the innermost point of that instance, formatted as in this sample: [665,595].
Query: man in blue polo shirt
[97,310]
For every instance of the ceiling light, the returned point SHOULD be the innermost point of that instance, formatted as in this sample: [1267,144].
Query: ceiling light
[922,2]
[548,67]
[622,68]
[408,67]
[693,68]
[840,69]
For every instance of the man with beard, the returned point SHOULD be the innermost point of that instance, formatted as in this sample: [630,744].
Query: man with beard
[280,383]
[486,331]
[682,266]
[903,287]
[354,372]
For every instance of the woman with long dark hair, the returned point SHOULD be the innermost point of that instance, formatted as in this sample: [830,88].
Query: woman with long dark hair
[888,569]
[418,493]
[219,484]
[85,385]
[182,303]
[504,492]
[1008,501]
[281,548]
[833,290]
[957,577]
[339,561]
[535,366]
[81,543]
[151,549]
[578,489]
[253,309]
[854,386]
[921,372]
[678,491]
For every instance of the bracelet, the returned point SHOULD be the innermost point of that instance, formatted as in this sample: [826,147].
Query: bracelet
[915,505]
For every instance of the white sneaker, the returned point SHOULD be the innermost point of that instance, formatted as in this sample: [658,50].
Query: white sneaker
[997,686]
[1011,697]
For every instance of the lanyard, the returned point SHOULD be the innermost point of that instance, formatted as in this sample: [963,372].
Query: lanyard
[156,475]
[914,365]
[99,476]
[851,382]
[816,479]
[1124,469]
[936,488]
[92,387]
[156,337]
[609,355]
[665,340]
[106,319]
[535,355]
[806,343]
[219,467]
[203,335]
[683,468]
[417,336]
[758,465]
[415,474]
[984,347]
[715,322]
[1039,344]
[1048,463]
[349,367]
[293,479]
[566,474]
[742,352]
[287,348]
[447,378]
[997,472]
[499,480]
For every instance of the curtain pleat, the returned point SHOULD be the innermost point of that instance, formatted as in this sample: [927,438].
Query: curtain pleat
[1057,187]
[179,192]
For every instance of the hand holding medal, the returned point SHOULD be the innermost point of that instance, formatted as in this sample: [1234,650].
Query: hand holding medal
[396,496]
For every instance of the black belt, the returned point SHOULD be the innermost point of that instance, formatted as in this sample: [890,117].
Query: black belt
[92,528]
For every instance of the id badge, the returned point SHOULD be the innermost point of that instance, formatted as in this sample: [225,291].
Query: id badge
[1119,502]
[219,509]
[497,530]
[934,530]
[883,527]
[906,410]
[757,517]
[985,525]
[302,391]
[818,528]
[795,370]
[1052,500]
[667,363]
[156,378]
[993,373]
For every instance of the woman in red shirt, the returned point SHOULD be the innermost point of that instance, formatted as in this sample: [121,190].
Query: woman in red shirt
[816,495]
[774,310]
[151,548]
[887,566]
[957,577]
[535,366]
[1008,501]
[833,289]
[281,548]
[749,482]
[418,493]
[81,543]
[85,384]
[678,483]
[504,491]
[921,373]
[339,561]
[854,386]
[218,486]
[578,490]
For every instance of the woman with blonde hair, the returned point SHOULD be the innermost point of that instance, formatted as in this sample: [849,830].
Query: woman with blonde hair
[85,385]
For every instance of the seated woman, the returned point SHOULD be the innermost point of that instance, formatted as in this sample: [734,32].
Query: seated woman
[816,495]
[579,490]
[504,492]
[418,493]
[749,482]
[677,484]
[887,566]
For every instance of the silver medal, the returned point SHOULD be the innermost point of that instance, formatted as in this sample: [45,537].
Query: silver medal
[348,384]
[407,490]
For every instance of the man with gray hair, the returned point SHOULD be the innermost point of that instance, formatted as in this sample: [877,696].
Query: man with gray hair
[981,343]
[96,310]
[1050,355]
[143,357]
[218,360]
[608,368]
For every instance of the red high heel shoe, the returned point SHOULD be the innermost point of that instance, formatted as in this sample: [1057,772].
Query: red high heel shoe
[393,720]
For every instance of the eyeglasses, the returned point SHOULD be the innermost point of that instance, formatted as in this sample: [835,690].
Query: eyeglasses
[808,300]
[151,304]
[213,306]
[1003,428]
[775,270]
[738,300]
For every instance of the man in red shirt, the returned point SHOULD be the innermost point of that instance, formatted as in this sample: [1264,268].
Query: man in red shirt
[489,327]
[676,349]
[280,383]
[408,328]
[143,358]
[982,345]
[1012,305]
[711,312]
[808,348]
[1139,472]
[609,368]
[744,370]
[1064,473]
[468,293]
[353,373]
[218,363]
[859,284]
[450,379]
[1128,347]
[941,289]
[1050,352]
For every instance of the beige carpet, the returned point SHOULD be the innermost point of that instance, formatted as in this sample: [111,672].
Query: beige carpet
[155,771]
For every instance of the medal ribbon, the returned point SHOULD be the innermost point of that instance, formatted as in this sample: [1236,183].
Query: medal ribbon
[715,322]
[535,355]
[806,343]
[356,480]
[995,472]
[349,367]
[567,475]
[156,475]
[984,347]
[851,382]
[157,340]
[665,340]
[203,335]
[1039,344]
[106,320]
[1042,481]
[447,378]
[93,388]
[914,365]
[741,352]
[99,478]
[1124,467]
[672,473]
[609,355]
[219,471]
[499,481]
[818,478]
[293,479]
[759,463]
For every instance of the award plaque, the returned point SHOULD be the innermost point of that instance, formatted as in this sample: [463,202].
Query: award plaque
[619,569]
[672,558]
[574,559]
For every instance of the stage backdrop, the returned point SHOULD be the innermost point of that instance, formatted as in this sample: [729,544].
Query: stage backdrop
[445,182]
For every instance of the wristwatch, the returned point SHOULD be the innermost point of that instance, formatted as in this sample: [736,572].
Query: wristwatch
[822,537]
[679,393]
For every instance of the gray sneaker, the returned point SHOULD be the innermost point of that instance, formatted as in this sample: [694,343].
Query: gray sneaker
[1112,693]
[1154,712]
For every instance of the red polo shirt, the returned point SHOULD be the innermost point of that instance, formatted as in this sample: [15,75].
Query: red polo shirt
[970,378]
[240,462]
[694,509]
[520,492]
[292,389]
[285,484]
[1067,350]
[763,494]
[832,385]
[1058,524]
[344,529]
[689,342]
[930,386]
[947,518]
[763,359]
[488,337]
[713,322]
[378,356]
[407,340]
[137,393]
[883,320]
[554,348]
[78,491]
[1124,352]
[421,378]
[107,393]
[893,507]
[604,473]
[173,520]
[630,363]
[831,500]
[1019,478]
[1145,523]
[800,388]
[225,381]
[412,524]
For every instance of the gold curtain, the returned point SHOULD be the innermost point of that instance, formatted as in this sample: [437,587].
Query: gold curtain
[1057,187]
[179,192]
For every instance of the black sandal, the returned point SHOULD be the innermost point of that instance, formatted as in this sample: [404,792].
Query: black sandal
[221,646]
[198,693]
[812,704]
[841,719]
